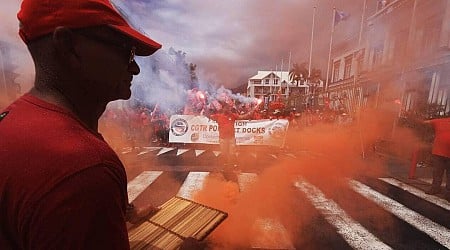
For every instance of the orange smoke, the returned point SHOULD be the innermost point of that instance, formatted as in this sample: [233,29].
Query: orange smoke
[327,154]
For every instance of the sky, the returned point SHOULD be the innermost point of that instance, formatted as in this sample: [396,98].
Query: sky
[229,41]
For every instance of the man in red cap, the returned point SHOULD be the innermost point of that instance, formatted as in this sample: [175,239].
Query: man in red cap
[61,185]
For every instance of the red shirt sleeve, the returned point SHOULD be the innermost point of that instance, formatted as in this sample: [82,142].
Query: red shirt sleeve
[86,211]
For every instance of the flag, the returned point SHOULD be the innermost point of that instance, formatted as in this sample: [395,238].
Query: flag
[340,16]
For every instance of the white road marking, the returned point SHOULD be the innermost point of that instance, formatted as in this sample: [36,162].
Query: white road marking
[193,183]
[152,148]
[430,180]
[181,151]
[272,235]
[165,150]
[439,233]
[353,233]
[417,192]
[126,150]
[245,180]
[136,186]
[148,149]
[199,152]
[216,153]
[291,155]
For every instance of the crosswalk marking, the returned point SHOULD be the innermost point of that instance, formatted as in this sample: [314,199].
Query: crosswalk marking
[352,232]
[273,235]
[164,150]
[193,183]
[199,152]
[140,183]
[245,180]
[181,151]
[417,192]
[148,150]
[437,232]
[430,180]
[292,156]
[356,235]
[127,150]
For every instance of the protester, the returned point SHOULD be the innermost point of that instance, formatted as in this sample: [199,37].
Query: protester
[61,185]
[440,155]
[160,124]
[225,118]
[145,128]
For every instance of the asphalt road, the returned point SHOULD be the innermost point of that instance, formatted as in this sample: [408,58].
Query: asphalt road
[280,199]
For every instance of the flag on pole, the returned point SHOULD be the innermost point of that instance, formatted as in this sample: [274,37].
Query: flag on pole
[340,16]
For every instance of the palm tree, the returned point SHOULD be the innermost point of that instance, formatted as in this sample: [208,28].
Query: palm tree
[314,80]
[316,75]
[298,73]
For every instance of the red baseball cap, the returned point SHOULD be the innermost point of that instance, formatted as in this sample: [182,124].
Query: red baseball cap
[41,17]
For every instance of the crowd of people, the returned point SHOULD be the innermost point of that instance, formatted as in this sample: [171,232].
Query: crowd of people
[142,124]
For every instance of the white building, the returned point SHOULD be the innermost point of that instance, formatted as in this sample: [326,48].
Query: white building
[267,85]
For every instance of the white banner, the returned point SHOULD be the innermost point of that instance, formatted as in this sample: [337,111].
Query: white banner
[200,129]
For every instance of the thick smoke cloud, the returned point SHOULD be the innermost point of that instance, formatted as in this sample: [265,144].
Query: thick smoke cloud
[228,41]
[10,39]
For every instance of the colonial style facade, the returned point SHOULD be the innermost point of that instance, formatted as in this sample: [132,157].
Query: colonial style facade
[404,58]
[271,85]
[267,85]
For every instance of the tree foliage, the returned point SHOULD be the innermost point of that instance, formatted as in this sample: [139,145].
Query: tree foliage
[300,74]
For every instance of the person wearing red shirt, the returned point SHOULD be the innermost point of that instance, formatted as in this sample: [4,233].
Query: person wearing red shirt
[440,155]
[225,119]
[61,184]
[160,124]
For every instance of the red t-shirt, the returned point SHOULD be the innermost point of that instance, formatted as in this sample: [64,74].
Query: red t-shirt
[61,185]
[441,145]
[226,124]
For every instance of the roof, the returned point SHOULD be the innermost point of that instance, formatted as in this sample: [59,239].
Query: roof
[262,74]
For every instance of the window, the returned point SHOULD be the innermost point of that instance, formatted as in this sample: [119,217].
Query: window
[256,81]
[336,66]
[275,81]
[359,60]
[377,55]
[348,66]
[418,42]
[431,39]
[400,46]
[266,81]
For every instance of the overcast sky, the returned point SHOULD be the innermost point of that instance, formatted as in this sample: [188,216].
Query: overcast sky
[228,40]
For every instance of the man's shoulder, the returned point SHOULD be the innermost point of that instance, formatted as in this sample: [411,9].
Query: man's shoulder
[54,136]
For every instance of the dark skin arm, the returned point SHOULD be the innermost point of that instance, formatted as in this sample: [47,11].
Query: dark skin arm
[136,215]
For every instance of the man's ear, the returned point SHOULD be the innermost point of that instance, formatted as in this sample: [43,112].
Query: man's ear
[64,41]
